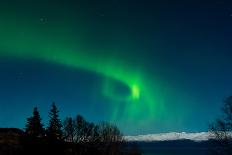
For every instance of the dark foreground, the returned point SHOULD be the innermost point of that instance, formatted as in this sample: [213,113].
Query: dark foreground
[15,142]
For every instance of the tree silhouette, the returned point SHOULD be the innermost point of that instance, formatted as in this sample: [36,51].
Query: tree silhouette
[221,130]
[96,134]
[81,137]
[34,127]
[80,124]
[68,129]
[87,133]
[54,129]
[109,133]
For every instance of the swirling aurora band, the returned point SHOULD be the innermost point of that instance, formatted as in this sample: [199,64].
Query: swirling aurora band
[149,71]
[39,46]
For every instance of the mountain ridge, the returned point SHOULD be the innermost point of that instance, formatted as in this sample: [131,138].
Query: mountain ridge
[170,136]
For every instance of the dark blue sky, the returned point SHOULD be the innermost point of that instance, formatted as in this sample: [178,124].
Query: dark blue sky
[86,55]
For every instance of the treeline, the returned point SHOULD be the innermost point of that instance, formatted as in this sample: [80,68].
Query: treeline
[72,136]
[78,130]
[73,130]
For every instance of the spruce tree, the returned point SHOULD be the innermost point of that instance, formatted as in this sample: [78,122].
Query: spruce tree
[54,129]
[34,127]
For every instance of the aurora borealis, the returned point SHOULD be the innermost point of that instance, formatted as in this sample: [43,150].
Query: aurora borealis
[146,66]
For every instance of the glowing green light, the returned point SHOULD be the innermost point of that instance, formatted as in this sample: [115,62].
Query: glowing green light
[40,43]
[135,92]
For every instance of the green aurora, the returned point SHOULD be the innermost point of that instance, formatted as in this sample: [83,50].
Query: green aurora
[155,66]
[25,40]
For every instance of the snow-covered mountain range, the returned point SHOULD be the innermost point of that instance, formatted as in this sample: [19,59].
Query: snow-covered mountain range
[201,136]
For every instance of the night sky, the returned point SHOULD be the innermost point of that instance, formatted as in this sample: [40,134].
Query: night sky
[148,66]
